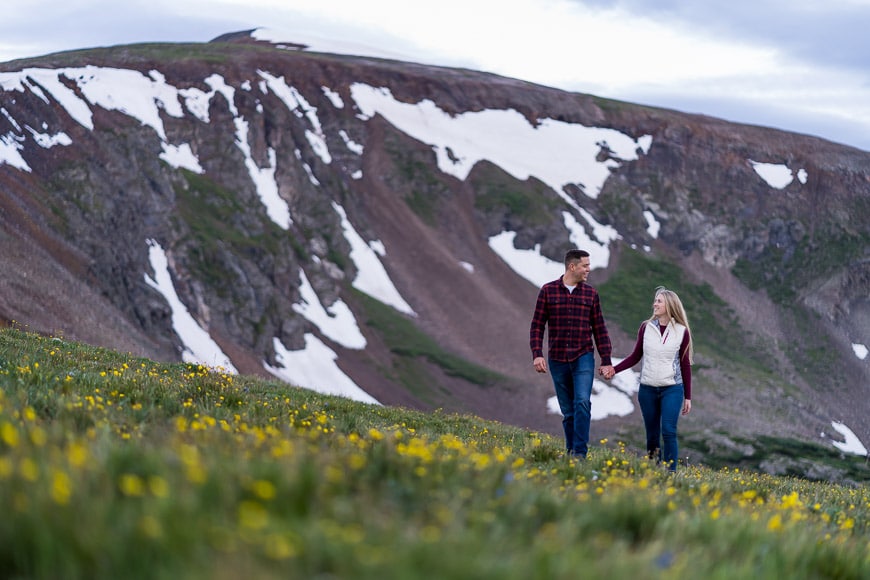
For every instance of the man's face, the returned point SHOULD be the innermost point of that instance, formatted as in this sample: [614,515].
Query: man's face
[580,270]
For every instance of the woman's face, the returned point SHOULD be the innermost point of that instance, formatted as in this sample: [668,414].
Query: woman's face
[659,308]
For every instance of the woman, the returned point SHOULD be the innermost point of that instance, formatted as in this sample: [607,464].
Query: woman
[664,342]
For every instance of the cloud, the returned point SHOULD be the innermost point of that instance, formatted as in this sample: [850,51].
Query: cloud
[799,65]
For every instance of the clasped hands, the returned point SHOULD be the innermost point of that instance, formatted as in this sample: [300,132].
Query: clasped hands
[606,371]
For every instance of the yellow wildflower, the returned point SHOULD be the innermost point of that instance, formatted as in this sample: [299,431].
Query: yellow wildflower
[131,485]
[61,487]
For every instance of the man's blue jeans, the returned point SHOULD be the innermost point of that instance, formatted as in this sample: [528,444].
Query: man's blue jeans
[573,383]
[661,407]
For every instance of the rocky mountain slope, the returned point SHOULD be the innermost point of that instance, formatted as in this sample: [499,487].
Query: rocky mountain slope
[380,228]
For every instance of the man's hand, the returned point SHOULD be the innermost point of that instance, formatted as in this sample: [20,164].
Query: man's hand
[540,364]
[607,371]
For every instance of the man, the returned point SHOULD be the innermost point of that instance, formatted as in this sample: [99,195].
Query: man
[571,310]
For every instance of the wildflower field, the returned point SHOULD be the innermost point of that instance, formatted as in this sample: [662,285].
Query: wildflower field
[113,466]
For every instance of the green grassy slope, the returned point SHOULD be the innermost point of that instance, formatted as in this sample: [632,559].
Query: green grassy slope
[113,466]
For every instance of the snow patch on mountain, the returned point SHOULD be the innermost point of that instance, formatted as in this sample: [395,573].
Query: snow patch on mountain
[180,156]
[314,367]
[371,276]
[652,224]
[47,141]
[777,176]
[336,322]
[530,264]
[263,178]
[851,444]
[558,153]
[298,105]
[10,152]
[198,346]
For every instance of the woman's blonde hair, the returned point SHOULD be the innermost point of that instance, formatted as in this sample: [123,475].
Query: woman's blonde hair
[676,312]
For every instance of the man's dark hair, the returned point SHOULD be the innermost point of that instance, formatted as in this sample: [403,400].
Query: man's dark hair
[574,256]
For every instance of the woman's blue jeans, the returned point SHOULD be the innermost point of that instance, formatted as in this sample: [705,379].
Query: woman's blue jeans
[661,407]
[573,383]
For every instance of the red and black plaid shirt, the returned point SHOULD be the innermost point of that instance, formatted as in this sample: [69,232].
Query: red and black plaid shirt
[572,320]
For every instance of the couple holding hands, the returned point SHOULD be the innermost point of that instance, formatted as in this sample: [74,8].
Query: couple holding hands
[570,309]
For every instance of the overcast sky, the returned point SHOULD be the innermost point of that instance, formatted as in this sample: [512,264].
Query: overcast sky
[798,65]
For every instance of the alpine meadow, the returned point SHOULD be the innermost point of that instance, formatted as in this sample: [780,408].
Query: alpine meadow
[114,466]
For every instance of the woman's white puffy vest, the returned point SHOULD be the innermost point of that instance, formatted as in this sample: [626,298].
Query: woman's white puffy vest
[661,354]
